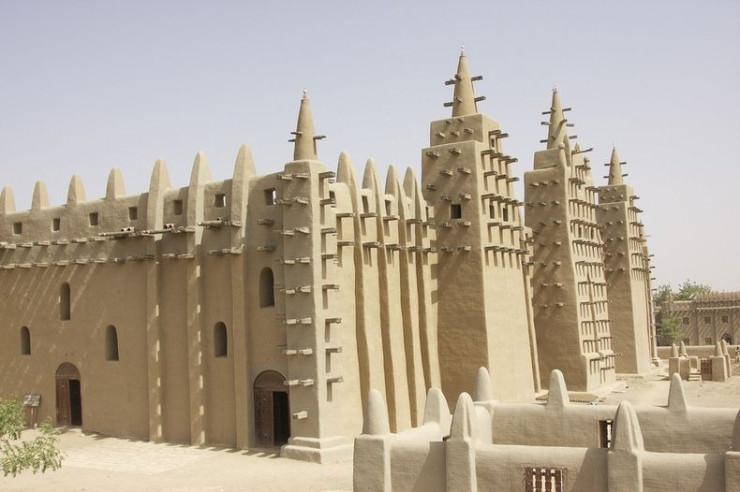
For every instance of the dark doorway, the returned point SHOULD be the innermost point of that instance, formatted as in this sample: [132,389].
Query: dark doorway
[280,416]
[69,395]
[271,409]
[75,402]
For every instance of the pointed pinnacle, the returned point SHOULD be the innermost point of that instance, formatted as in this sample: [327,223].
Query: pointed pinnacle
[305,137]
[615,169]
[464,100]
[556,133]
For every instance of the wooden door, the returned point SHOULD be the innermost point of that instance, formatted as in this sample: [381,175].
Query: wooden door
[64,416]
[263,417]
[271,409]
[69,395]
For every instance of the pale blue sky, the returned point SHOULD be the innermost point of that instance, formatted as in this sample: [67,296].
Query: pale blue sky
[87,86]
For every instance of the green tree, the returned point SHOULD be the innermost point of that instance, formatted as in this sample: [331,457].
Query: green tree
[662,293]
[17,455]
[671,329]
[688,289]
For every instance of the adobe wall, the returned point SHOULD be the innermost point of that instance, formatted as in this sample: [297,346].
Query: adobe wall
[701,351]
[478,455]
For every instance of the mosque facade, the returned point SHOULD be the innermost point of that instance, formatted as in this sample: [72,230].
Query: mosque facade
[261,310]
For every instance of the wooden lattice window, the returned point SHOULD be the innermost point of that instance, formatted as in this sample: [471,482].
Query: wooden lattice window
[544,479]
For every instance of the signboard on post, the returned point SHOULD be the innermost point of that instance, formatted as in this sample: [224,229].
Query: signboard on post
[32,400]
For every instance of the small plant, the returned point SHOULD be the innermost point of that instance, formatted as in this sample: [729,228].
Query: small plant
[16,455]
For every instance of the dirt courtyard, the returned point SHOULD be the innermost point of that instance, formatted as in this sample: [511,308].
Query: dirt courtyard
[99,463]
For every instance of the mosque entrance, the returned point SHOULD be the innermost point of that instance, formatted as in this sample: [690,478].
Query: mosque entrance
[69,395]
[271,409]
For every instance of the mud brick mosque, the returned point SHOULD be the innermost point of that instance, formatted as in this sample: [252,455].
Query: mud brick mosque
[261,310]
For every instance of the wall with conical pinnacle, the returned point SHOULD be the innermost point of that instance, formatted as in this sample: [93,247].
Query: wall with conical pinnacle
[627,269]
[569,287]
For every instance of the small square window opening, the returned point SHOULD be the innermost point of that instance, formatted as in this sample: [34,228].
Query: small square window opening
[271,196]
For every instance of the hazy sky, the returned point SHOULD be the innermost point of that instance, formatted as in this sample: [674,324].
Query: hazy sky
[88,86]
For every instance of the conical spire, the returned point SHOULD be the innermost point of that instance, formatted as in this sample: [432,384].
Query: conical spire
[464,100]
[305,137]
[615,169]
[556,133]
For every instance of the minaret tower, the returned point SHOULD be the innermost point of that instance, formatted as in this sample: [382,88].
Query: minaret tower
[319,340]
[568,284]
[627,272]
[482,302]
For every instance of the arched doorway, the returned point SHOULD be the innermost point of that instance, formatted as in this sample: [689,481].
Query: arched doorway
[69,395]
[271,409]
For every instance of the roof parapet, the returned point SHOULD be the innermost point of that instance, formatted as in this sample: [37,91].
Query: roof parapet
[76,192]
[40,196]
[557,392]
[376,415]
[7,201]
[627,433]
[676,395]
[115,188]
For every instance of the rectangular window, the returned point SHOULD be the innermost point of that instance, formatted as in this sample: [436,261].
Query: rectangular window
[219,200]
[18,228]
[177,207]
[605,432]
[56,224]
[133,213]
[538,479]
[707,320]
[271,196]
[456,211]
[686,321]
[492,209]
[365,205]
[725,319]
[388,208]
[93,219]
[708,341]
[505,213]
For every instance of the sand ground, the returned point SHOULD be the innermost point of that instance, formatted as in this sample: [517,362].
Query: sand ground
[99,463]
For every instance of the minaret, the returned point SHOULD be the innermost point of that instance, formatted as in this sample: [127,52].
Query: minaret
[568,285]
[627,272]
[320,346]
[482,302]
